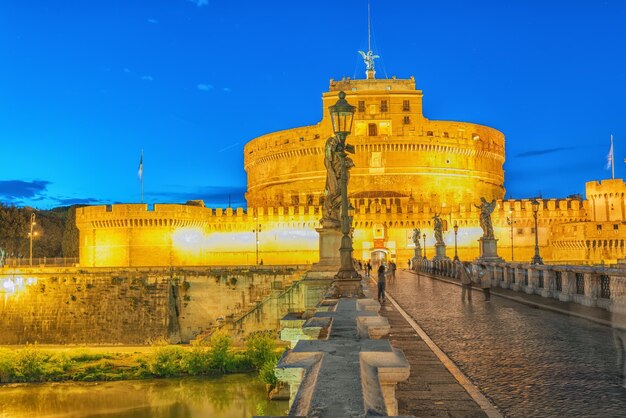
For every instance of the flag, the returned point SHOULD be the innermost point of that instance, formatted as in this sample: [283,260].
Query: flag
[609,157]
[140,172]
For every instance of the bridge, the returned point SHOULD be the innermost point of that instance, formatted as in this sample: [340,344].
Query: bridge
[532,350]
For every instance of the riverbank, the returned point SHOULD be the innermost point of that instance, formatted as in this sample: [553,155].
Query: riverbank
[33,363]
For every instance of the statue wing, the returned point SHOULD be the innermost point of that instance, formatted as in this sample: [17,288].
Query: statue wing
[363,54]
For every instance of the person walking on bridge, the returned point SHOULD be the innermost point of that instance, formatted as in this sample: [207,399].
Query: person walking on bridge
[464,273]
[382,282]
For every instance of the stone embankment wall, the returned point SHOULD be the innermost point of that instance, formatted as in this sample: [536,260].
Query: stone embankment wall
[71,306]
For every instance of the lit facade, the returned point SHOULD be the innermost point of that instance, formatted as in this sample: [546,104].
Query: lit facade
[407,168]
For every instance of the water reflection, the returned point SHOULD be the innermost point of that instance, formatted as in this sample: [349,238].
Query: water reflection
[233,396]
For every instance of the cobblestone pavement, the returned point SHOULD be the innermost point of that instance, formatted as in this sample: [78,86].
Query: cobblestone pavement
[529,362]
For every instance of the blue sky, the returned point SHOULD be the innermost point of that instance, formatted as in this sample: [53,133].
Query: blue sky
[85,86]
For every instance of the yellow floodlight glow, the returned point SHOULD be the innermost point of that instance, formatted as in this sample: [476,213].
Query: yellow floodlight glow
[188,239]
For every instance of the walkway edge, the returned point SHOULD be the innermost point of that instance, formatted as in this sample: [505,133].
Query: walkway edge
[471,389]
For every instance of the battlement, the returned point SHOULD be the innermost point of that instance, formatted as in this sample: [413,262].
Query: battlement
[388,84]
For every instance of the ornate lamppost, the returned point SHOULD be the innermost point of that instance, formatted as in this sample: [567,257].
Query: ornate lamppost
[347,279]
[537,258]
[511,221]
[424,237]
[31,234]
[456,252]
[256,230]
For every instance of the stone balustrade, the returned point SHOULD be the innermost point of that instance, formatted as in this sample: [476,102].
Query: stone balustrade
[340,365]
[595,286]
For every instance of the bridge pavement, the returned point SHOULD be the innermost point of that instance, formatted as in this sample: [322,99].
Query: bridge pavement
[527,361]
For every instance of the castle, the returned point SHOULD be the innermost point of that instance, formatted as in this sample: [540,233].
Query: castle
[407,169]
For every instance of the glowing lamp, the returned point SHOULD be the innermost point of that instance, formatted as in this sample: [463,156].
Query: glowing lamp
[341,114]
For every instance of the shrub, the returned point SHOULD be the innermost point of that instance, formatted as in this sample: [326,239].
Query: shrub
[260,348]
[166,361]
[266,372]
[219,354]
[6,365]
[196,361]
[29,364]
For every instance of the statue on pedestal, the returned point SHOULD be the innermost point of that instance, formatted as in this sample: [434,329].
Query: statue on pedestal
[416,240]
[438,227]
[486,209]
[331,211]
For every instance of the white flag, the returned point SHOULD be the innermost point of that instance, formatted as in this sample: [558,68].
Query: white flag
[609,157]
[140,172]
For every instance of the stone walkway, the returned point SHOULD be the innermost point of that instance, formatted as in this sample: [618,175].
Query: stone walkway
[431,390]
[529,361]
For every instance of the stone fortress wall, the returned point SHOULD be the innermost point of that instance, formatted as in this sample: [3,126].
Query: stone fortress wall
[185,235]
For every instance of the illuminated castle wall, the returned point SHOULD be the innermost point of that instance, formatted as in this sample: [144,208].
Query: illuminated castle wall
[399,153]
[407,169]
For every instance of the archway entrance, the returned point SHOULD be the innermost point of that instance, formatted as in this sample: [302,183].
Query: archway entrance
[377,257]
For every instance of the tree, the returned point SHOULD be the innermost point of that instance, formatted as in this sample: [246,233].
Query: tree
[70,235]
[14,229]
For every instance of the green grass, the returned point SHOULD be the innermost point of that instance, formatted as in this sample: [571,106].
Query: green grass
[34,364]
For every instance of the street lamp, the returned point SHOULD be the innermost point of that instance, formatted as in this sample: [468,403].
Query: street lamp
[256,231]
[31,234]
[537,258]
[456,252]
[341,114]
[424,236]
[511,221]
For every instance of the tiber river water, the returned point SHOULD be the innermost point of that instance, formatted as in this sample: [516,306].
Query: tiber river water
[231,396]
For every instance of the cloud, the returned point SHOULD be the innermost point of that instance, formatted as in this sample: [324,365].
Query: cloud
[533,153]
[18,189]
[205,87]
[227,89]
[200,3]
[153,21]
[127,70]
[69,201]
[147,78]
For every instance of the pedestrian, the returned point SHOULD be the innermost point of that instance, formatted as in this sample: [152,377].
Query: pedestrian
[392,272]
[382,281]
[409,264]
[482,277]
[360,266]
[368,269]
[464,273]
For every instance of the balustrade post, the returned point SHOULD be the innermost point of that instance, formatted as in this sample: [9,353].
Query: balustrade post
[549,284]
[532,280]
[568,284]
[517,271]
[592,289]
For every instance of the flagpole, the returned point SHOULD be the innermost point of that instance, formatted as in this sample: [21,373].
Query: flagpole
[612,158]
[142,176]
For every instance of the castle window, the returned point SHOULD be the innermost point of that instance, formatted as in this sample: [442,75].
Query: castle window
[383,106]
[406,105]
[429,133]
[361,106]
[445,135]
[406,120]
[599,228]
[372,129]
[615,227]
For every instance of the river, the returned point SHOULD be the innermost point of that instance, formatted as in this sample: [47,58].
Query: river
[231,396]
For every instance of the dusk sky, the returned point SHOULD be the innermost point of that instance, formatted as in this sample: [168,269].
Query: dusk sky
[85,86]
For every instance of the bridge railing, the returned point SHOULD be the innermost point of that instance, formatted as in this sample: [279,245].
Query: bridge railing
[596,286]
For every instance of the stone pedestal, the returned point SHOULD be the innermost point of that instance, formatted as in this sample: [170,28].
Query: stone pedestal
[417,258]
[440,253]
[329,244]
[489,249]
